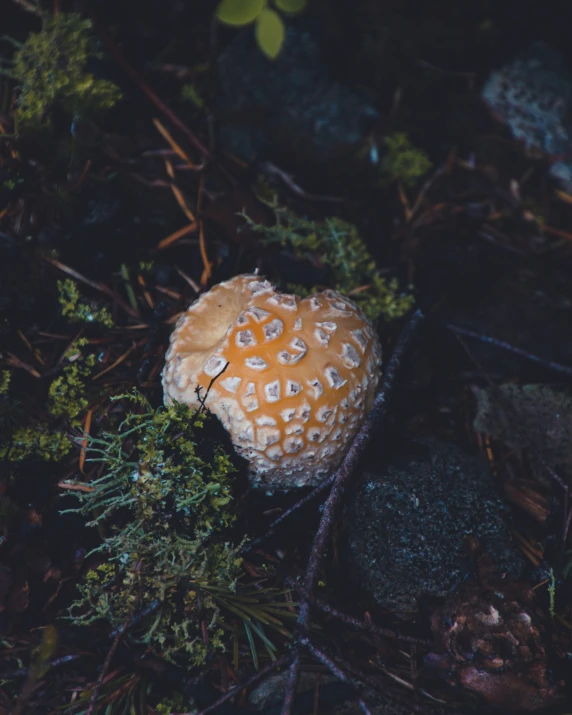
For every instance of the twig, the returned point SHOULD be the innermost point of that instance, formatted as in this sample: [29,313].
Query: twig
[335,668]
[292,683]
[256,678]
[144,87]
[362,625]
[270,169]
[94,696]
[139,616]
[441,171]
[30,7]
[342,477]
[511,348]
[272,528]
[97,286]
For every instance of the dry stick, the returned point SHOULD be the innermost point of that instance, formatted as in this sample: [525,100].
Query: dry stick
[116,52]
[291,683]
[272,528]
[342,476]
[257,677]
[362,625]
[107,662]
[157,101]
[511,348]
[334,668]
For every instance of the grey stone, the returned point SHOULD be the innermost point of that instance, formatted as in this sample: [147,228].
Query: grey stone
[405,525]
[291,103]
[533,96]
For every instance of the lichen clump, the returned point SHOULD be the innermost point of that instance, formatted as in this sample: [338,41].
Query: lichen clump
[340,248]
[403,161]
[165,502]
[77,310]
[47,438]
[67,394]
[50,69]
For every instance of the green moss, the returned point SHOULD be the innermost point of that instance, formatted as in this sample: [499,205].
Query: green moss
[4,382]
[340,248]
[173,495]
[77,310]
[46,438]
[50,70]
[68,394]
[190,93]
[176,703]
[403,161]
[36,442]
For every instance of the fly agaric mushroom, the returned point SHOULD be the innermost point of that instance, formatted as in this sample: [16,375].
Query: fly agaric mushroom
[290,379]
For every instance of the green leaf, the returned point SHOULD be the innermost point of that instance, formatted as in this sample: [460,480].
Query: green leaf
[239,12]
[252,645]
[291,6]
[270,32]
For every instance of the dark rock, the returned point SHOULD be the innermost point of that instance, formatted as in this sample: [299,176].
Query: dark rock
[406,525]
[530,416]
[292,103]
[533,96]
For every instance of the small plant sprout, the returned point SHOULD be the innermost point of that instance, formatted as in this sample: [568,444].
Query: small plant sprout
[340,248]
[269,25]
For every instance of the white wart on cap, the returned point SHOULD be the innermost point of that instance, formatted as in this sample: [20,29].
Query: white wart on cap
[301,374]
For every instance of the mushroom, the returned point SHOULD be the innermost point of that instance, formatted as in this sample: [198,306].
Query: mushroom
[290,379]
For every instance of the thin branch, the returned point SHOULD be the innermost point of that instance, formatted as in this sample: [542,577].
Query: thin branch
[272,528]
[256,678]
[351,461]
[29,6]
[341,479]
[511,348]
[337,669]
[362,625]
[97,689]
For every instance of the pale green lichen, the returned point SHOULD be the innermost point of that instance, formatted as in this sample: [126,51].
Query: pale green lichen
[77,310]
[340,248]
[403,161]
[171,550]
[50,68]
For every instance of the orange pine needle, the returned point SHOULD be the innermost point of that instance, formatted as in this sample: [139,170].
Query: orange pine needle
[178,194]
[176,235]
[173,144]
[119,360]
[207,271]
[86,428]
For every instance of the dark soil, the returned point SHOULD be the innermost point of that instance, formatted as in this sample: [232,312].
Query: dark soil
[486,246]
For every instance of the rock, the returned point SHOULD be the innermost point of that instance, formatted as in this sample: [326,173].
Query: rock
[291,104]
[406,525]
[525,416]
[533,96]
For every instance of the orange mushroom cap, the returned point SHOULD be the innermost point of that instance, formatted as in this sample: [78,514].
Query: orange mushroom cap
[290,379]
